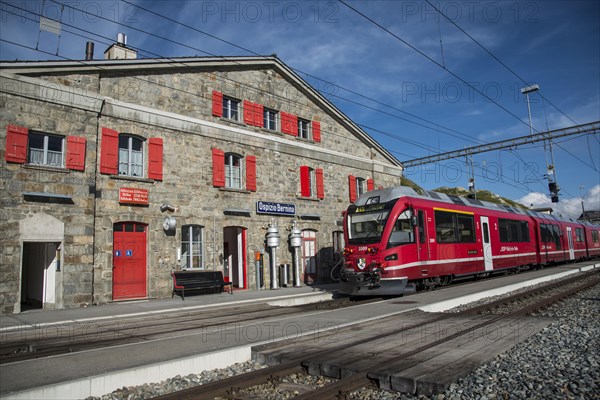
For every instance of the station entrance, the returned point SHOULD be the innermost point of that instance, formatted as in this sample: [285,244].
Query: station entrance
[129,261]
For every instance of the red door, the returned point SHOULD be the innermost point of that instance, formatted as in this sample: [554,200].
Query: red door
[129,261]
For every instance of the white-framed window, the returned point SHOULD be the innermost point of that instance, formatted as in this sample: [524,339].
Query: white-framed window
[231,108]
[45,149]
[303,128]
[269,119]
[192,247]
[361,186]
[312,182]
[131,156]
[233,171]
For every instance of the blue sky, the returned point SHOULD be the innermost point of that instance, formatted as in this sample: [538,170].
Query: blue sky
[399,70]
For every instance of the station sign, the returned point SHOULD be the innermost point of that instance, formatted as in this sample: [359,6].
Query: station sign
[133,196]
[267,207]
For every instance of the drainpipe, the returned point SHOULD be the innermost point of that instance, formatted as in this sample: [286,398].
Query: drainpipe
[99,115]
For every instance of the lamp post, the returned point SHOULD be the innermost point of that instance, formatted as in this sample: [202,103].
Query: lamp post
[526,91]
[581,197]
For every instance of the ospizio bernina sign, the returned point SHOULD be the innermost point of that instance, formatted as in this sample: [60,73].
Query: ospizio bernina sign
[266,207]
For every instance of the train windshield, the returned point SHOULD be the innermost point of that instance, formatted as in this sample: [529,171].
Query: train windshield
[366,223]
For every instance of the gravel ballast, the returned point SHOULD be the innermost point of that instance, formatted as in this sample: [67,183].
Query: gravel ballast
[560,362]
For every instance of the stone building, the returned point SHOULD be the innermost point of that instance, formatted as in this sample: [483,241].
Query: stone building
[117,171]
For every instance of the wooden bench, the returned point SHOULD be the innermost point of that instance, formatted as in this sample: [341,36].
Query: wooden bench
[198,280]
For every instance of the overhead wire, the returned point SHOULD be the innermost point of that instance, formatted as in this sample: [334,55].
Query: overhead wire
[496,58]
[432,60]
[350,91]
[179,61]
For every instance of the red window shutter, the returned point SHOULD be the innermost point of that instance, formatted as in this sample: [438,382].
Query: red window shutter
[217,103]
[16,144]
[285,122]
[316,131]
[304,181]
[248,112]
[293,125]
[76,153]
[320,183]
[218,160]
[155,159]
[370,184]
[258,115]
[251,173]
[109,153]
[352,188]
[289,124]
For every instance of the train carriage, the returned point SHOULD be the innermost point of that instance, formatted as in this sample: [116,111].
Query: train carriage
[398,241]
[591,239]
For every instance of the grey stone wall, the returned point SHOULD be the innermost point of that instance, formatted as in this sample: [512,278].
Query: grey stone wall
[17,179]
[174,106]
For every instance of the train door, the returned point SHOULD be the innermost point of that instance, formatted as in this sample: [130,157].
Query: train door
[487,243]
[423,241]
[129,261]
[570,242]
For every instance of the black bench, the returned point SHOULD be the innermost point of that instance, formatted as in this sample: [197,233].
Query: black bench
[198,280]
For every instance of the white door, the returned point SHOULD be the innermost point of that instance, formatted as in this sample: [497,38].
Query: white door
[487,243]
[570,239]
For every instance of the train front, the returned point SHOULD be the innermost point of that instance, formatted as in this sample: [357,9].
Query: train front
[367,254]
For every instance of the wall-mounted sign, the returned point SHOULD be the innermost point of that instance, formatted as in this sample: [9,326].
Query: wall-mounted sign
[133,196]
[266,207]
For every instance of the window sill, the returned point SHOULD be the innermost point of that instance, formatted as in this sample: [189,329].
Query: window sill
[131,178]
[232,121]
[305,140]
[46,168]
[308,198]
[225,189]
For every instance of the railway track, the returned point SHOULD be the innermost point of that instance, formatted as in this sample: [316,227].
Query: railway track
[394,360]
[28,342]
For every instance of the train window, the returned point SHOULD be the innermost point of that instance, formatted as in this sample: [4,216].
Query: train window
[595,236]
[421,222]
[503,230]
[486,235]
[444,227]
[524,231]
[466,231]
[556,236]
[402,231]
[513,230]
[454,228]
[579,234]
[545,233]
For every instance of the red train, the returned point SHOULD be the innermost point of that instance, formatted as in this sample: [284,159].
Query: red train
[398,241]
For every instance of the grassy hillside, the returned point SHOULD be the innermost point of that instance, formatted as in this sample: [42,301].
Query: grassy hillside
[484,195]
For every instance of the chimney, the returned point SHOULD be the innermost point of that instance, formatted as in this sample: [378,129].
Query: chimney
[89,51]
[119,50]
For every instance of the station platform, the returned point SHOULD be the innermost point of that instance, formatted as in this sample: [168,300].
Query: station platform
[100,371]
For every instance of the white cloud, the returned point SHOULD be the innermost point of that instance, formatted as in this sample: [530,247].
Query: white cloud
[567,207]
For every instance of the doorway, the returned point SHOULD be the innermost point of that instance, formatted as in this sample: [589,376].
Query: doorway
[41,261]
[234,256]
[129,261]
[309,255]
